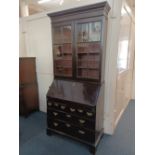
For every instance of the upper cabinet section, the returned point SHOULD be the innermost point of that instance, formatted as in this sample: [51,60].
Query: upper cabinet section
[88,48]
[79,37]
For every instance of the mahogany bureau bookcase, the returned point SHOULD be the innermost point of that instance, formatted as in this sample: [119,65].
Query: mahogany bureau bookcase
[75,104]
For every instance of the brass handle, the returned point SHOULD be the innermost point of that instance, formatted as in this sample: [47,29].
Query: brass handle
[82,121]
[55,113]
[49,103]
[56,104]
[55,124]
[81,132]
[68,125]
[69,116]
[72,109]
[89,114]
[80,110]
[63,107]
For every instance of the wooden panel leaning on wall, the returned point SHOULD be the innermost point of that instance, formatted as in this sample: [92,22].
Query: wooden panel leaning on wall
[28,87]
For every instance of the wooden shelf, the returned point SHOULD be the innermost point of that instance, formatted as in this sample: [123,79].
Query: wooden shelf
[91,68]
[63,66]
[57,44]
[88,42]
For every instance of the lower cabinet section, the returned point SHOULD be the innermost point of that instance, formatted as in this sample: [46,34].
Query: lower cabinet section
[69,129]
[80,119]
[73,120]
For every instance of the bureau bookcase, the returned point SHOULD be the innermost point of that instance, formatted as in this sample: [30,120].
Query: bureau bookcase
[75,98]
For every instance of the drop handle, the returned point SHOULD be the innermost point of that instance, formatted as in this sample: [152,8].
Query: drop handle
[49,103]
[80,110]
[55,124]
[68,116]
[56,104]
[82,121]
[72,109]
[55,113]
[89,114]
[68,125]
[62,107]
[81,132]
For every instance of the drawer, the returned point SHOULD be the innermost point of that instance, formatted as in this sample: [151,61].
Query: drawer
[56,105]
[71,130]
[55,124]
[84,134]
[74,109]
[83,112]
[77,121]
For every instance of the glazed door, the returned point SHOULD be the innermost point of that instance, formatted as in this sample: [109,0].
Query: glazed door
[88,42]
[63,50]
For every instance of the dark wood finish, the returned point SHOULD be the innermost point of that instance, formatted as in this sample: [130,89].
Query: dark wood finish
[28,88]
[85,63]
[75,98]
[27,72]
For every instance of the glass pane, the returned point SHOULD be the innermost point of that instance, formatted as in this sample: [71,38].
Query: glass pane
[83,33]
[63,67]
[63,51]
[89,48]
[67,37]
[58,51]
[67,49]
[93,74]
[57,35]
[82,73]
[95,31]
[88,58]
[58,67]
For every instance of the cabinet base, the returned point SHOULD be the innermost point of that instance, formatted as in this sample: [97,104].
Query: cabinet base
[92,150]
[92,147]
[48,132]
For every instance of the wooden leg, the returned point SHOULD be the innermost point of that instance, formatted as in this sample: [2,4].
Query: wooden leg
[92,150]
[48,132]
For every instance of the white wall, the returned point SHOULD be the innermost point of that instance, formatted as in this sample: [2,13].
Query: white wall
[39,45]
[22,36]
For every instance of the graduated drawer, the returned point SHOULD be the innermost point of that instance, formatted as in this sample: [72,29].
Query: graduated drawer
[73,108]
[69,118]
[69,129]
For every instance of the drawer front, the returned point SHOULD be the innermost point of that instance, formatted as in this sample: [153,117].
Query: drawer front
[69,118]
[73,108]
[69,129]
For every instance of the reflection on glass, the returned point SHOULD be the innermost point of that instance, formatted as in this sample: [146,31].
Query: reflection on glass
[67,34]
[94,31]
[83,31]
[57,35]
[88,55]
[89,47]
[63,67]
[58,52]
[67,49]
[89,32]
